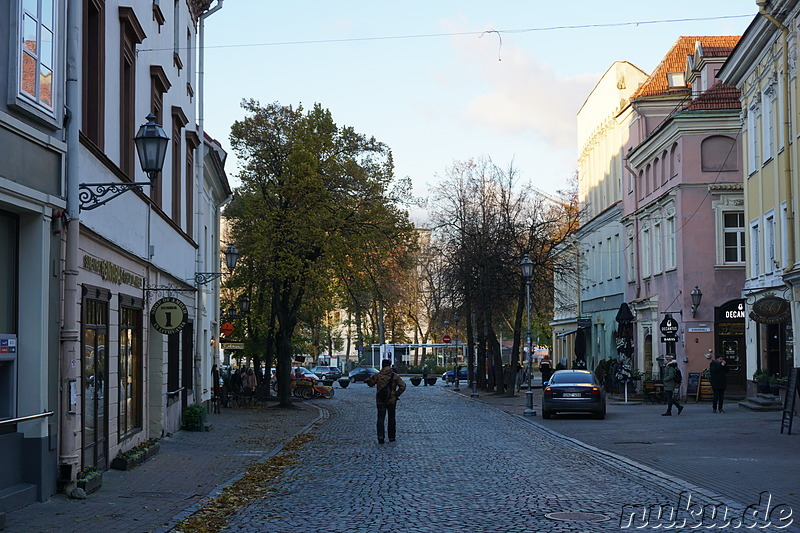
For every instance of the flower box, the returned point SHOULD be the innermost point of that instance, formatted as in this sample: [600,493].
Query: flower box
[127,462]
[91,483]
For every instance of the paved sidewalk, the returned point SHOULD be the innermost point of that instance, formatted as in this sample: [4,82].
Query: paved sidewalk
[736,454]
[189,467]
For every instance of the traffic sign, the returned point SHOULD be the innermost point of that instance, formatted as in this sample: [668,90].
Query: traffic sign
[446,339]
[226,328]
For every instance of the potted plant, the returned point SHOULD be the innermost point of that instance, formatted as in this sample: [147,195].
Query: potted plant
[431,380]
[774,386]
[90,479]
[416,380]
[762,381]
[194,417]
[344,381]
[136,455]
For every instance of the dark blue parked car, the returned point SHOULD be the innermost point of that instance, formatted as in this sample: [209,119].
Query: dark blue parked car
[463,375]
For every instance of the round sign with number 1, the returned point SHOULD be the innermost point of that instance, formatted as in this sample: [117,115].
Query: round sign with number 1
[169,315]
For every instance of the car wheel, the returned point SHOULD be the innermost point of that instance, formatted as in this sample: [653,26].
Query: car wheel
[547,415]
[601,415]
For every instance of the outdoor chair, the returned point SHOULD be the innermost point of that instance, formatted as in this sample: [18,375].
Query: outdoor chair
[652,392]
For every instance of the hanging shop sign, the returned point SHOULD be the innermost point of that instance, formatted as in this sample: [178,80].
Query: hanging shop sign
[669,326]
[771,310]
[169,315]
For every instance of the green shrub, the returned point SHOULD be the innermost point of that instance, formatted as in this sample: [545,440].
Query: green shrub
[194,416]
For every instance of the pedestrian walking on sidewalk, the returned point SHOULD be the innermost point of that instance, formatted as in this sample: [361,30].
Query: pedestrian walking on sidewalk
[670,384]
[718,368]
[388,388]
[425,373]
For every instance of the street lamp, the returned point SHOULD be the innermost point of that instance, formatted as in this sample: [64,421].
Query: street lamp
[455,363]
[231,257]
[151,146]
[697,296]
[444,357]
[526,265]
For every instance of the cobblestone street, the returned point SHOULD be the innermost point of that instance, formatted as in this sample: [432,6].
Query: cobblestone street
[457,465]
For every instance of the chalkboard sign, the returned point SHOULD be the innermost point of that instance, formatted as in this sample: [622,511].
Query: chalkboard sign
[693,383]
[789,401]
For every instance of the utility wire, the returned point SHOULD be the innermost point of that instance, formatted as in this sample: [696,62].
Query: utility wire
[457,34]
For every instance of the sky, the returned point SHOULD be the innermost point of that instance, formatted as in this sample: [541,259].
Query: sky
[441,81]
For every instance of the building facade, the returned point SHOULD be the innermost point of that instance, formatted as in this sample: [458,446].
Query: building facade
[684,213]
[764,68]
[32,190]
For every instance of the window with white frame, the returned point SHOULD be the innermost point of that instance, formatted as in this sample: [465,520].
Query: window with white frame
[610,254]
[616,257]
[784,238]
[769,242]
[755,245]
[37,51]
[600,262]
[657,265]
[646,250]
[733,237]
[767,98]
[670,252]
[631,255]
[752,137]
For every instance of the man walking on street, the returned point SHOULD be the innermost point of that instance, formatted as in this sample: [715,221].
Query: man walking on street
[389,386]
[670,384]
[717,369]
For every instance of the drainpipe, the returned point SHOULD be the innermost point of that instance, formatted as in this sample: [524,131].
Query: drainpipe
[70,356]
[201,347]
[787,154]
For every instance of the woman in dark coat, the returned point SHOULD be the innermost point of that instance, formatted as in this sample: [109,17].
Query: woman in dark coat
[718,369]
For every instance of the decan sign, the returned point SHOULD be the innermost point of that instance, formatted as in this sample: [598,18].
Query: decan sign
[169,315]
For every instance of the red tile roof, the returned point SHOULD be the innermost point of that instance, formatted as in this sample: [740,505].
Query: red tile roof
[718,96]
[675,61]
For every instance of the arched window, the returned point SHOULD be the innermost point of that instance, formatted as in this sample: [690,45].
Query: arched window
[718,154]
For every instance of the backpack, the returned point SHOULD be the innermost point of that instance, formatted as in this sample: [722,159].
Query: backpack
[678,377]
[385,392]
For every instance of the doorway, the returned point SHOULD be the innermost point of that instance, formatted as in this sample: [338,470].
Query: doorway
[94,381]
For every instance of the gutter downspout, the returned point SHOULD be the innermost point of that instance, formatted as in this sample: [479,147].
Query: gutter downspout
[200,346]
[69,423]
[787,153]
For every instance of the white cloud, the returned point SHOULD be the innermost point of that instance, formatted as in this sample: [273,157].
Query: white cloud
[523,94]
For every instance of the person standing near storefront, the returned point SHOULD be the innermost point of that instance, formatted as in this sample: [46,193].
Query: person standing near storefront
[670,384]
[718,368]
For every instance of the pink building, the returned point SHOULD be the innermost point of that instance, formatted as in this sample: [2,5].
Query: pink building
[683,213]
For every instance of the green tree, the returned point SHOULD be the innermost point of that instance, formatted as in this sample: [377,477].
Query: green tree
[317,205]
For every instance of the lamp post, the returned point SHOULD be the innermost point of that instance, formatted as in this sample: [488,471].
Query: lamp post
[526,265]
[455,362]
[697,297]
[231,257]
[446,351]
[151,145]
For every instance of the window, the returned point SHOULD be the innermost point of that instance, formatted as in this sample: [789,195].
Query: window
[766,123]
[159,85]
[179,120]
[94,67]
[657,248]
[192,142]
[752,138]
[617,256]
[610,254]
[131,34]
[94,376]
[674,159]
[176,35]
[631,256]
[670,255]
[718,154]
[755,244]
[600,262]
[784,236]
[769,242]
[37,52]
[646,250]
[676,80]
[733,232]
[130,365]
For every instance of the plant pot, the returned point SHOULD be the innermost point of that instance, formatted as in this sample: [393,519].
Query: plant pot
[344,382]
[126,463]
[90,485]
[763,387]
[151,451]
[774,388]
[416,380]
[431,380]
[327,382]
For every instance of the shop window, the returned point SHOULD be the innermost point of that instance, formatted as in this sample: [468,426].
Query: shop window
[94,376]
[130,365]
